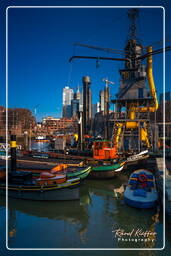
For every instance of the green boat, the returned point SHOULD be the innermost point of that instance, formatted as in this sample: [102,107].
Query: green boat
[70,171]
[106,171]
[78,172]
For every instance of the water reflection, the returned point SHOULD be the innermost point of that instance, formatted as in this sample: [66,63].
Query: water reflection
[126,218]
[87,223]
[12,226]
[72,212]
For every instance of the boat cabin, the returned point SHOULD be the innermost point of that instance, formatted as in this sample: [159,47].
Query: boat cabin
[102,150]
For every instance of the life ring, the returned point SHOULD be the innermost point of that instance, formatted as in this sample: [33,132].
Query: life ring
[142,178]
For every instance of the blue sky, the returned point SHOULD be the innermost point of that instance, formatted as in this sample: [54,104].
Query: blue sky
[41,43]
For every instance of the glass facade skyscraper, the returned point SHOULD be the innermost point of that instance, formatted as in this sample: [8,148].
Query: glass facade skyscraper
[67,97]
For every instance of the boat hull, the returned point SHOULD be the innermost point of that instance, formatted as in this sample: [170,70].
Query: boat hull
[82,174]
[71,172]
[59,192]
[141,205]
[135,158]
[141,197]
[105,173]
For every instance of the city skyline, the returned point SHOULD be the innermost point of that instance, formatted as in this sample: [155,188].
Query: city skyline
[47,86]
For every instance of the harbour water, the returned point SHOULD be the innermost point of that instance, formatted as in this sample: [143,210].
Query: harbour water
[89,223]
[98,220]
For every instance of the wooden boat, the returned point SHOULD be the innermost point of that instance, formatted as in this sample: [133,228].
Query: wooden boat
[37,168]
[74,171]
[141,190]
[45,188]
[47,178]
[133,158]
[107,170]
[71,171]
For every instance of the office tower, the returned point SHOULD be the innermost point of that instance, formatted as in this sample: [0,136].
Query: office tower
[102,100]
[67,98]
[74,105]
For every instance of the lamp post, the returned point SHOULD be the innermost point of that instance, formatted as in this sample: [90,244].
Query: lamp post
[26,139]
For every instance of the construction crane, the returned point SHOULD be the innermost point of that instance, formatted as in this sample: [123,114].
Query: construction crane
[134,126]
[132,95]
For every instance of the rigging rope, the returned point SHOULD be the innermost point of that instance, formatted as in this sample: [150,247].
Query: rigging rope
[70,69]
[158,43]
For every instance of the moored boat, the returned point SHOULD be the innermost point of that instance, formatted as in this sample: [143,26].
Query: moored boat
[75,171]
[141,190]
[45,188]
[106,171]
[71,171]
[136,157]
[37,168]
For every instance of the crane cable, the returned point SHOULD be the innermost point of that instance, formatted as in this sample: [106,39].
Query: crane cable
[109,50]
[70,69]
[157,43]
[168,48]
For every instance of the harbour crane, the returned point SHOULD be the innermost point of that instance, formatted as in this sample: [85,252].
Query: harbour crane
[132,95]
